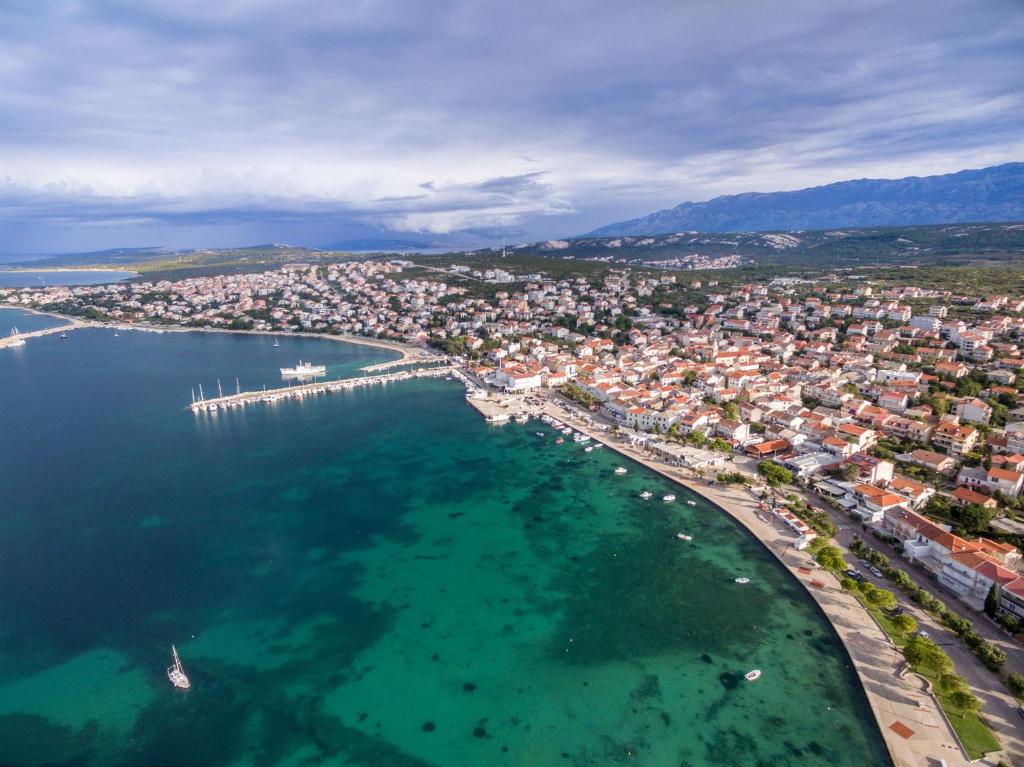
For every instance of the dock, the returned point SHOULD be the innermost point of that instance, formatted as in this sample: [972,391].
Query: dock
[303,390]
[13,339]
[408,360]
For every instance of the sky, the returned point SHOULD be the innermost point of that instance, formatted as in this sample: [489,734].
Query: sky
[127,123]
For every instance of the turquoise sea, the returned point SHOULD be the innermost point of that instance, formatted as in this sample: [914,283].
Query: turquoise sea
[374,578]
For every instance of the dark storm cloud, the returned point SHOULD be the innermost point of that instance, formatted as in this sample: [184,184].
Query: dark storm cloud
[448,115]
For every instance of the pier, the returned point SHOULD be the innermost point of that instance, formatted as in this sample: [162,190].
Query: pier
[408,360]
[14,339]
[303,390]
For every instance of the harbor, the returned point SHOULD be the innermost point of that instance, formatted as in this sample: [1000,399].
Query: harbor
[202,403]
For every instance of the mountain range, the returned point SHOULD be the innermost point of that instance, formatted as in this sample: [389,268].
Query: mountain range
[982,195]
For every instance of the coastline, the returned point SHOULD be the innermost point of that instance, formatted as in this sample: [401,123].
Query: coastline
[405,350]
[894,700]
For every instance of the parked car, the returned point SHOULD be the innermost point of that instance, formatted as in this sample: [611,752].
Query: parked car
[875,572]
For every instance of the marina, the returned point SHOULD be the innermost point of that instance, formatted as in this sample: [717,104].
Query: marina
[301,391]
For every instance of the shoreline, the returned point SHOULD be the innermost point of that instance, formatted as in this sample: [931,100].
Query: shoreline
[406,351]
[892,700]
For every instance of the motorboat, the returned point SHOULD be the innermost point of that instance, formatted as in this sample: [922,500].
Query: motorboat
[560,440]
[539,433]
[587,449]
[646,494]
[684,537]
[692,503]
[668,498]
[743,580]
[620,470]
[753,676]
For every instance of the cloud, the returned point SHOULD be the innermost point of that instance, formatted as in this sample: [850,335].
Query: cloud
[541,118]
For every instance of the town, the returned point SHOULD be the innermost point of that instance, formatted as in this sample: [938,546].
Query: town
[895,409]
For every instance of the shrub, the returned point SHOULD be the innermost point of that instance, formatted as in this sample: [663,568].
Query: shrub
[991,656]
[1015,683]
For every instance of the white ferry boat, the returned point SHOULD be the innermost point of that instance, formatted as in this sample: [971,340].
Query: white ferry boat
[305,369]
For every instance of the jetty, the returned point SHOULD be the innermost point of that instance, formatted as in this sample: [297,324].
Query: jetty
[423,359]
[301,391]
[14,339]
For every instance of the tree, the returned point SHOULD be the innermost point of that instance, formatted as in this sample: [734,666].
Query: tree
[992,601]
[865,587]
[1016,684]
[949,683]
[904,624]
[774,474]
[881,598]
[831,558]
[849,472]
[732,411]
[848,584]
[972,519]
[923,653]
[964,699]
[991,656]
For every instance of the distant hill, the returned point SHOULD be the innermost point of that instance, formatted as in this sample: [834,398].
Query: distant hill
[945,244]
[984,195]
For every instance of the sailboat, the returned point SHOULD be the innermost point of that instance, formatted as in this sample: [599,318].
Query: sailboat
[15,341]
[63,334]
[276,344]
[176,673]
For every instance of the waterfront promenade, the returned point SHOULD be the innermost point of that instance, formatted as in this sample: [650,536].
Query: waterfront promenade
[915,730]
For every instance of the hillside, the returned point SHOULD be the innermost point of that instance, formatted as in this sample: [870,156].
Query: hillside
[987,194]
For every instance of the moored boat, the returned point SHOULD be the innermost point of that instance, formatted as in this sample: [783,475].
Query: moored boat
[620,470]
[176,673]
[684,537]
[743,580]
[646,494]
[668,498]
[753,676]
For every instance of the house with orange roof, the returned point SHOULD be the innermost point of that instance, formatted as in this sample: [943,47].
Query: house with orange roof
[916,493]
[967,497]
[873,502]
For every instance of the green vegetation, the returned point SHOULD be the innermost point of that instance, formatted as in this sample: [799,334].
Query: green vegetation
[774,474]
[732,478]
[578,395]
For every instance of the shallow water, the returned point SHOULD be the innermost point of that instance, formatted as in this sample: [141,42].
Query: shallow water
[375,577]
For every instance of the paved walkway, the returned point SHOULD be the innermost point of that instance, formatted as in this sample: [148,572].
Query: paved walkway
[914,730]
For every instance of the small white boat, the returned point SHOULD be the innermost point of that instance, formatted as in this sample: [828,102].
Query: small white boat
[598,446]
[668,498]
[560,440]
[753,676]
[692,503]
[743,580]
[620,470]
[63,334]
[646,494]
[176,673]
[587,449]
[15,341]
[276,343]
[684,537]
[539,433]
